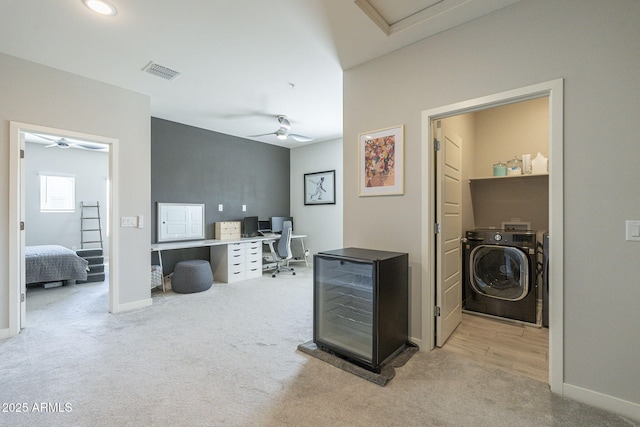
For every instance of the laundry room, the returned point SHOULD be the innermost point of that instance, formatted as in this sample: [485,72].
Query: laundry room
[505,187]
[504,222]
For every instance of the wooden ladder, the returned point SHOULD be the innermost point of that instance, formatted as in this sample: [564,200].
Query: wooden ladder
[88,227]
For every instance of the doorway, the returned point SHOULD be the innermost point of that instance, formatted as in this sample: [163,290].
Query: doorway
[18,211]
[431,284]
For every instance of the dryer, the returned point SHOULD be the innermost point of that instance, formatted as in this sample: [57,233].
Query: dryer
[499,269]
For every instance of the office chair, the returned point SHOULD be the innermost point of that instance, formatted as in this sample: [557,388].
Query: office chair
[283,252]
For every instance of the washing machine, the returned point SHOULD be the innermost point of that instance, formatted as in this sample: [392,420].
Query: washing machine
[499,270]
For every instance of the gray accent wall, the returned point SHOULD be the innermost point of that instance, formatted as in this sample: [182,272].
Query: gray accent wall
[193,165]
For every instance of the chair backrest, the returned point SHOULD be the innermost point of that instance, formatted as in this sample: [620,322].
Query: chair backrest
[284,244]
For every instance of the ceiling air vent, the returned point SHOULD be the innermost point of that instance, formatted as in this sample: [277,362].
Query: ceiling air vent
[160,71]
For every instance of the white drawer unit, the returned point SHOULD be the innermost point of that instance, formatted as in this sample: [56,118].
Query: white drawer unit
[253,259]
[236,261]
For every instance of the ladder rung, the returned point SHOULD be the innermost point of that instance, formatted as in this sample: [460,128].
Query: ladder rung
[90,217]
[91,241]
[91,229]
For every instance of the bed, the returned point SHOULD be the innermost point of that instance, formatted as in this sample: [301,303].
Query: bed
[53,263]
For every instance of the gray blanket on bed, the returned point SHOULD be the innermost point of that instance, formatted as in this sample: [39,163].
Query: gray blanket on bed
[52,263]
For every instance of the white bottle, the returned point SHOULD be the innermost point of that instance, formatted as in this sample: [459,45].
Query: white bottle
[539,165]
[526,163]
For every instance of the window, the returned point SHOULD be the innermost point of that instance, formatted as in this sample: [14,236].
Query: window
[57,193]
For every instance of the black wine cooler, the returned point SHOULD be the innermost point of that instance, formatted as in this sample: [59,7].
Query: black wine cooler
[360,304]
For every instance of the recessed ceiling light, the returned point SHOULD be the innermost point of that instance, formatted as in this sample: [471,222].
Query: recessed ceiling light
[100,6]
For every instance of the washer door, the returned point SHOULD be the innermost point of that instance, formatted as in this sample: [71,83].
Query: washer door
[500,272]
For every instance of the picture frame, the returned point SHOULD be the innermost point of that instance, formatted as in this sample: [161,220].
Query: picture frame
[381,162]
[320,188]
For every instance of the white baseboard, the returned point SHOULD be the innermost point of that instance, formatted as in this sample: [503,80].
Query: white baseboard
[4,333]
[132,305]
[618,406]
[418,342]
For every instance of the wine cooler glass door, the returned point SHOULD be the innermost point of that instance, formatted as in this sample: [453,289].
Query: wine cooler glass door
[344,306]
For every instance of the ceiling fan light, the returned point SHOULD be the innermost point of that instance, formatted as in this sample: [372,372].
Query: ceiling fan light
[281,136]
[100,6]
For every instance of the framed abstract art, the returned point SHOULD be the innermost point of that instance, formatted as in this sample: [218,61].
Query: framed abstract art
[381,162]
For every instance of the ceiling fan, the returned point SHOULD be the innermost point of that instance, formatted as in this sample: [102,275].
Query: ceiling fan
[64,143]
[283,133]
[60,143]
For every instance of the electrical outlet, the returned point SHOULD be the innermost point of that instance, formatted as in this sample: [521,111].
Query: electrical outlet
[140,221]
[244,208]
[220,207]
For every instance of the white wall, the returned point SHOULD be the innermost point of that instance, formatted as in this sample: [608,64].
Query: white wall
[321,223]
[593,46]
[90,169]
[40,95]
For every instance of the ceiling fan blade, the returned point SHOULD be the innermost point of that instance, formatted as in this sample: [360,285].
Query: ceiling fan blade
[262,134]
[90,147]
[51,145]
[300,138]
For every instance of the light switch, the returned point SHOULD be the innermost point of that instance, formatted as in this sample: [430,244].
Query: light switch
[244,208]
[128,221]
[633,230]
[220,207]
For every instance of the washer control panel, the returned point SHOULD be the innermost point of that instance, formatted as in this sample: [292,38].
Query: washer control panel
[522,239]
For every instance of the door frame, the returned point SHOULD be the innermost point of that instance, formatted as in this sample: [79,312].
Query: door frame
[554,91]
[16,215]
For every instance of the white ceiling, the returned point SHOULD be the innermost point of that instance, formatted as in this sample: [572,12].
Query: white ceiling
[242,62]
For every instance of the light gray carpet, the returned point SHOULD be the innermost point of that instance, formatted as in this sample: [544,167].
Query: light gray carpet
[227,357]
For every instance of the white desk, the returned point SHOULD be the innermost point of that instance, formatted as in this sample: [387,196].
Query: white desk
[165,246]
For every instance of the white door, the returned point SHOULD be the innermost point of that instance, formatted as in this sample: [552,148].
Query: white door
[448,249]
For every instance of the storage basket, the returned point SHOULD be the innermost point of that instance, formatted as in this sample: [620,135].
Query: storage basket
[156,276]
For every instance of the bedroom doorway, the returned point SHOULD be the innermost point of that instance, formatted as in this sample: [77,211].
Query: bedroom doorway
[80,168]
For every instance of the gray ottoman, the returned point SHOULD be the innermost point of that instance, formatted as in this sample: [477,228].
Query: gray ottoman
[191,276]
